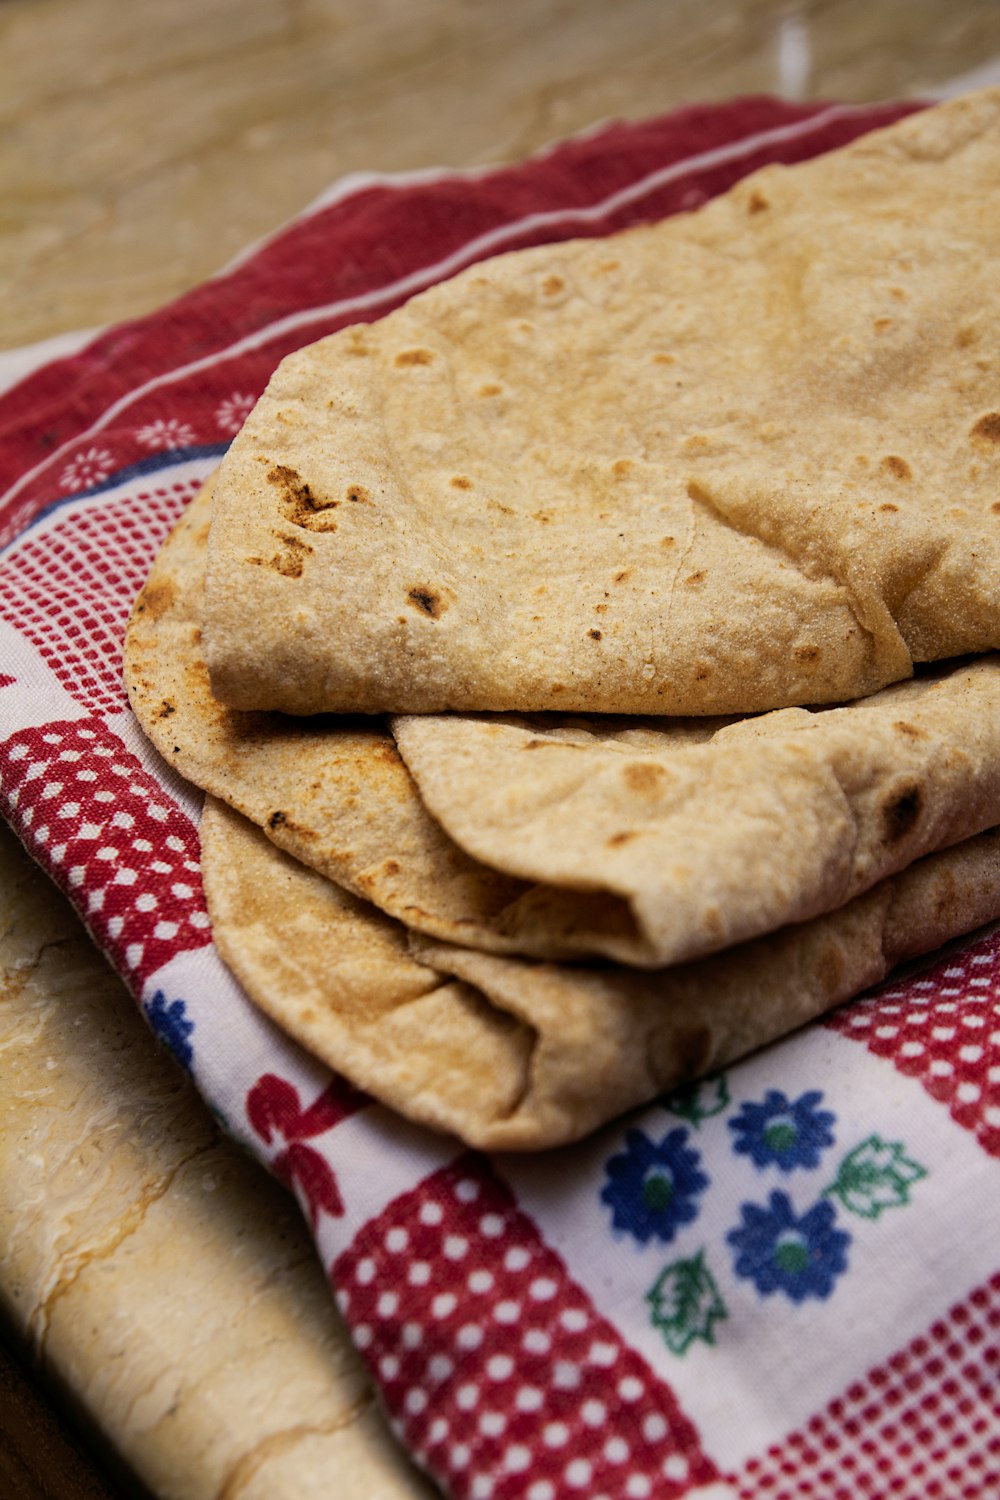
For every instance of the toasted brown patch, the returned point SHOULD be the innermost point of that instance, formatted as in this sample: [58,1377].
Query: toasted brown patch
[830,965]
[881,324]
[542,516]
[391,866]
[713,923]
[900,814]
[664,359]
[298,504]
[386,751]
[288,563]
[617,839]
[702,673]
[698,577]
[460,482]
[595,635]
[987,429]
[911,731]
[666,541]
[807,653]
[757,203]
[156,599]
[552,285]
[888,506]
[644,776]
[489,390]
[358,495]
[427,601]
[622,466]
[165,709]
[277,819]
[409,357]
[621,576]
[896,466]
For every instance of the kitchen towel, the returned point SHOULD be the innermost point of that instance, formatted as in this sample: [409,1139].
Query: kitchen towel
[781,1283]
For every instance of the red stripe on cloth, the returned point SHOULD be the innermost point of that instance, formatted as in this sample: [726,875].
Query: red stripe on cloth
[363,244]
[498,1372]
[942,1028]
[923,1425]
[70,590]
[102,827]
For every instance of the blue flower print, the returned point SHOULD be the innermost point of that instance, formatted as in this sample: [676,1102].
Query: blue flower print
[783,1133]
[653,1186]
[172,1026]
[780,1253]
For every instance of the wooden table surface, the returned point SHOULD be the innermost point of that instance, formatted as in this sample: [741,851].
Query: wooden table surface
[143,145]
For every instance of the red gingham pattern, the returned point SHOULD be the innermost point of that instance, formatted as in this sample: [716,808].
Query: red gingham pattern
[925,1425]
[123,852]
[496,1368]
[69,591]
[944,1029]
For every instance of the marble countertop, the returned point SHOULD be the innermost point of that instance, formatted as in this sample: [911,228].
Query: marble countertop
[147,1266]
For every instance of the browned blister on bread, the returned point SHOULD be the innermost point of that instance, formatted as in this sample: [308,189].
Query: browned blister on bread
[742,459]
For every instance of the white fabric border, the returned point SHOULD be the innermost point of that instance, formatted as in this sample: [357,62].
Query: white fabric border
[898,1279]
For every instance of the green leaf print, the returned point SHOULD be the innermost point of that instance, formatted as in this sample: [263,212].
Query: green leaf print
[685,1303]
[875,1176]
[699,1101]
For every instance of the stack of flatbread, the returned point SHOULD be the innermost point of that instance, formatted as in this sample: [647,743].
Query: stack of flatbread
[589,663]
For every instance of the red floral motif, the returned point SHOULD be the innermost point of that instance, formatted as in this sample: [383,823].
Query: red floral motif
[275,1112]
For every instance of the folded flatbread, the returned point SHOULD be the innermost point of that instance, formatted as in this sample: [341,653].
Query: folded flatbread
[648,842]
[514,1055]
[742,459]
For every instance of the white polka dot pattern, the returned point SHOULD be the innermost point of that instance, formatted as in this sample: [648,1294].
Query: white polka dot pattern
[496,1368]
[924,1425]
[942,1027]
[111,839]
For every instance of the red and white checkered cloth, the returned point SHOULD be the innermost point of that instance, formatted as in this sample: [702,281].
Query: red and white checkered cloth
[782,1285]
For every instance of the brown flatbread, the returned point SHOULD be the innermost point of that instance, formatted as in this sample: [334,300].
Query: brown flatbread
[703,842]
[648,842]
[513,1055]
[746,458]
[333,792]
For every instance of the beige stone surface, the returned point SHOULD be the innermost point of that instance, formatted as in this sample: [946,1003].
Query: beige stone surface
[149,1262]
[145,144]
